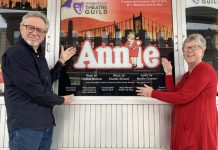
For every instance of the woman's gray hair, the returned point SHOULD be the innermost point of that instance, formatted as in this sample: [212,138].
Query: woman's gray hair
[38,15]
[196,36]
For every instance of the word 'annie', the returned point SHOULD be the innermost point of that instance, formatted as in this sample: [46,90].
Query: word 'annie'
[105,57]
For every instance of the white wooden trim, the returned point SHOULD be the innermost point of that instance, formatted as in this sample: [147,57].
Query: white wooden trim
[50,36]
[99,149]
[87,125]
[114,138]
[175,38]
[129,126]
[92,126]
[114,100]
[144,126]
[76,126]
[103,125]
[125,126]
[111,100]
[98,126]
[140,126]
[109,149]
[108,125]
[119,126]
[135,121]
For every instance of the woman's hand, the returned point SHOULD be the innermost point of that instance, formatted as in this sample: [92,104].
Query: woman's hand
[167,66]
[144,91]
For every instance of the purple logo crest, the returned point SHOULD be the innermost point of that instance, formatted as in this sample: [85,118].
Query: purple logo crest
[196,1]
[78,7]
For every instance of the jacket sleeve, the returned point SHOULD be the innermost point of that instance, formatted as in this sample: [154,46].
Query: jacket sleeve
[170,86]
[20,68]
[56,71]
[194,85]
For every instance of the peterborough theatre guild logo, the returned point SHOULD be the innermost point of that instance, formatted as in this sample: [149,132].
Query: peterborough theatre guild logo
[80,6]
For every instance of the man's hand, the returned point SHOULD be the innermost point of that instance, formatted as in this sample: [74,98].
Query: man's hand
[167,66]
[68,99]
[66,54]
[144,91]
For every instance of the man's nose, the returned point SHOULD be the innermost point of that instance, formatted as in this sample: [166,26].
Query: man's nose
[34,32]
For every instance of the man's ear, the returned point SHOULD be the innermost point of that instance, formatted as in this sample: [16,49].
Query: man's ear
[21,27]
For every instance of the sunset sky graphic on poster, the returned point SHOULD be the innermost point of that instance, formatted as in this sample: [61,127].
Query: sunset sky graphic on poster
[117,11]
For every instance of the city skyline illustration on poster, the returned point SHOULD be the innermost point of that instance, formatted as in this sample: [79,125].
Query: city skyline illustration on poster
[119,45]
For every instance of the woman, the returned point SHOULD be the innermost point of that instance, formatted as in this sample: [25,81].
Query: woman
[194,118]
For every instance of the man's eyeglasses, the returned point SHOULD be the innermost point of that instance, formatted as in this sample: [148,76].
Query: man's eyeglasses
[31,29]
[191,48]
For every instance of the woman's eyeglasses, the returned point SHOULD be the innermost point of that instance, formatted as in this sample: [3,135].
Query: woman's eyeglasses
[191,48]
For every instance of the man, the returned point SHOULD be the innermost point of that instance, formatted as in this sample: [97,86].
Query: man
[29,98]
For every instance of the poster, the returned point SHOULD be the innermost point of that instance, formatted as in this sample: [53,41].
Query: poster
[119,44]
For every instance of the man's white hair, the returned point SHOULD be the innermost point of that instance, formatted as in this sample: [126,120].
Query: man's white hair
[38,15]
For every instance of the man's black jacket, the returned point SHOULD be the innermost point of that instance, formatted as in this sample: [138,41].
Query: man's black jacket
[28,93]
